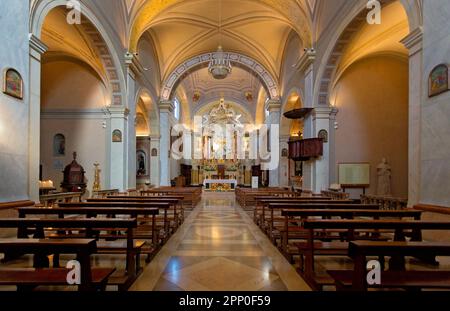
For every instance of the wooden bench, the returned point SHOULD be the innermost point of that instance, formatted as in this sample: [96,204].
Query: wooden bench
[291,223]
[163,222]
[91,229]
[268,224]
[413,280]
[104,193]
[176,204]
[92,212]
[262,204]
[399,227]
[191,195]
[49,200]
[28,279]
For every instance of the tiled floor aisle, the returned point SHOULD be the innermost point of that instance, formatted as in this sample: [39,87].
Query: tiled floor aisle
[219,248]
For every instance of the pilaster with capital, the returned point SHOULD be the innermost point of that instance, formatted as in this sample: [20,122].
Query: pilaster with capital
[166,120]
[37,48]
[414,43]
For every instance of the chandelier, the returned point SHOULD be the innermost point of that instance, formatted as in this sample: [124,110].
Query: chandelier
[219,66]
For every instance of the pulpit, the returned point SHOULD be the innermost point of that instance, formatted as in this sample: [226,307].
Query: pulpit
[74,180]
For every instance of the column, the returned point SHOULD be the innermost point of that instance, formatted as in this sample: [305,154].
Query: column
[134,69]
[323,119]
[306,65]
[165,121]
[413,42]
[37,48]
[154,160]
[118,151]
[274,107]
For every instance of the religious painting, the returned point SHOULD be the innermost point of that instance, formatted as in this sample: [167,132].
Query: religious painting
[13,83]
[438,81]
[59,145]
[196,96]
[284,153]
[323,134]
[141,163]
[116,136]
[249,96]
[154,152]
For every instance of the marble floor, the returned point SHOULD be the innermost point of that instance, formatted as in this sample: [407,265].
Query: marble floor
[219,248]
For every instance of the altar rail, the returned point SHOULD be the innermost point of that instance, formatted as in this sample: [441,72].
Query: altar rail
[385,202]
[49,200]
[334,195]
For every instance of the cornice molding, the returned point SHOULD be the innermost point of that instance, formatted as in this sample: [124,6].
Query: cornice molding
[36,44]
[306,60]
[413,41]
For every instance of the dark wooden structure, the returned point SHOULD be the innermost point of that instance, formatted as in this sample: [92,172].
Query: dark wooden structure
[74,180]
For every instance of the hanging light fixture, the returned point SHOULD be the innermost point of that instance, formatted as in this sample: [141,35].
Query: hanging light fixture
[220,65]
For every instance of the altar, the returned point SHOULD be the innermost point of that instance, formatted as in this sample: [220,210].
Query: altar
[220,184]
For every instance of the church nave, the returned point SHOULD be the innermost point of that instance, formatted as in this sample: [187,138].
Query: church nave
[219,248]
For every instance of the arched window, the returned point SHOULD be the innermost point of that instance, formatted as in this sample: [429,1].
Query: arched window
[59,145]
[177,109]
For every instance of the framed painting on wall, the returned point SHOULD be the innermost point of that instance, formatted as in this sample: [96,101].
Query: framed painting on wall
[116,136]
[12,83]
[438,80]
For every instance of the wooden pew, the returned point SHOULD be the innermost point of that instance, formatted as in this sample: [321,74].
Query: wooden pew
[262,204]
[91,227]
[175,201]
[269,225]
[360,250]
[399,227]
[246,197]
[28,279]
[104,193]
[164,222]
[49,200]
[90,212]
[335,195]
[191,195]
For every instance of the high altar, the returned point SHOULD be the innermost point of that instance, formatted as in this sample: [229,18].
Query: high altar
[220,169]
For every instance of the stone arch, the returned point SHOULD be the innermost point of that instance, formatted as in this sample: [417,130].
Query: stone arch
[238,60]
[286,124]
[239,108]
[346,30]
[152,109]
[101,41]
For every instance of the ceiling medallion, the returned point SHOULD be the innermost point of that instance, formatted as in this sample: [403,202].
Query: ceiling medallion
[220,65]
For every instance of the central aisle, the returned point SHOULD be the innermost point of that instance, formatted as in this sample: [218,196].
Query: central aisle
[219,248]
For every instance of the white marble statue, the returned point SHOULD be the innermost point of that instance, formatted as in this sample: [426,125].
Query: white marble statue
[384,178]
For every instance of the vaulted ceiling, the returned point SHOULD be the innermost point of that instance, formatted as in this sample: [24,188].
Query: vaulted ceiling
[240,87]
[193,27]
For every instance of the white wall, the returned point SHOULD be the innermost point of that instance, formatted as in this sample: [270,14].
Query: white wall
[85,136]
[14,113]
[435,145]
[372,98]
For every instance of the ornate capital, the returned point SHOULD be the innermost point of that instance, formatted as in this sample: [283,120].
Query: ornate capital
[306,60]
[36,45]
[413,41]
[166,106]
[118,112]
[274,105]
[325,113]
[132,62]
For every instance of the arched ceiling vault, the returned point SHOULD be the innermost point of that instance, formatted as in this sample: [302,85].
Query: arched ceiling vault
[257,28]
